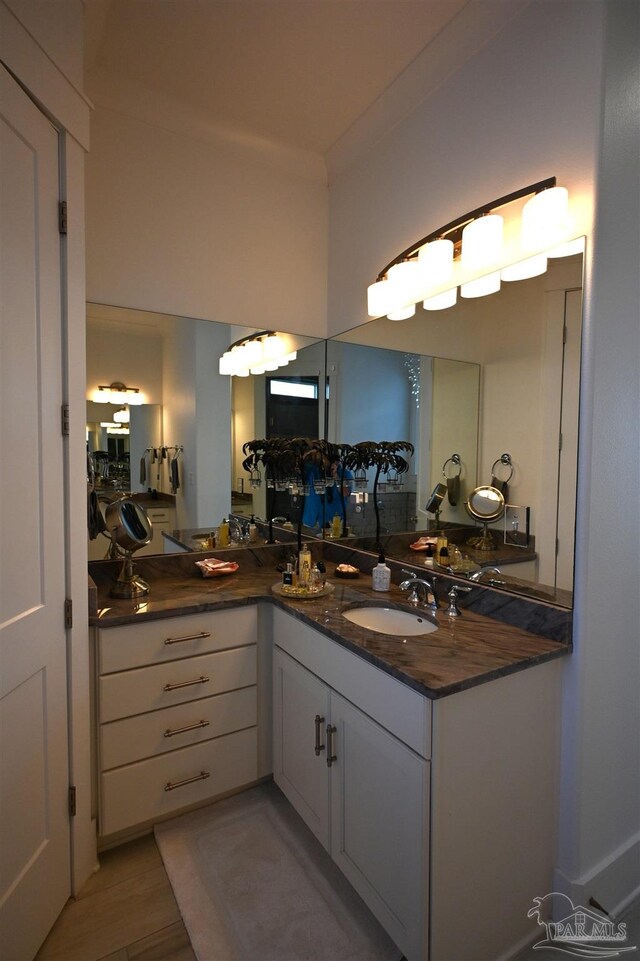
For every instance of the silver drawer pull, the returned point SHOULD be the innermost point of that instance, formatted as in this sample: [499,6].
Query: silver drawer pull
[182,730]
[197,680]
[170,786]
[331,757]
[319,723]
[187,637]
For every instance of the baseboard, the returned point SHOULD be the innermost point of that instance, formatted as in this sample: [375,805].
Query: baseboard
[613,882]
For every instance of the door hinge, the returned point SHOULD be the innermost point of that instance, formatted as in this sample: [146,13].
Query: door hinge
[72,800]
[68,613]
[62,217]
[65,420]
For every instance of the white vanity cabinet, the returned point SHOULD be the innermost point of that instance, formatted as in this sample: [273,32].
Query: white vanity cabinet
[359,787]
[163,518]
[176,714]
[440,813]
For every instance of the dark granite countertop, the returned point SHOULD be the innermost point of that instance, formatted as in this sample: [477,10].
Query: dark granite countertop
[463,652]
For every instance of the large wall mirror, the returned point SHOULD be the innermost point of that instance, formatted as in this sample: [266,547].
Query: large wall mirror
[493,381]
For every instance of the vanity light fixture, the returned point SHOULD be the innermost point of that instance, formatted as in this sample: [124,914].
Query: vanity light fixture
[256,354]
[117,393]
[472,246]
[122,416]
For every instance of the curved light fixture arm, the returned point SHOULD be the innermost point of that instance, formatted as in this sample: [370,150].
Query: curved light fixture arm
[453,230]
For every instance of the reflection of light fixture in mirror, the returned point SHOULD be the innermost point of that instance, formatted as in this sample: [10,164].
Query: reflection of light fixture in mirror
[117,393]
[130,528]
[122,416]
[256,354]
[475,241]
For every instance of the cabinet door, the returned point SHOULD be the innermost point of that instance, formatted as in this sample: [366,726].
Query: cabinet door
[379,823]
[299,697]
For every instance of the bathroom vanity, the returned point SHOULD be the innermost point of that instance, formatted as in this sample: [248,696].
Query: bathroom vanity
[424,765]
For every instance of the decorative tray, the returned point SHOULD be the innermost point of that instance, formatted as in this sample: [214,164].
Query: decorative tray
[301,594]
[215,568]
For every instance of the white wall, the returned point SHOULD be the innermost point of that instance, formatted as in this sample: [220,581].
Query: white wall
[526,106]
[208,230]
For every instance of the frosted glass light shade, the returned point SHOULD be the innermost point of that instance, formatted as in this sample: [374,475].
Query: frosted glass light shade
[489,284]
[436,262]
[272,347]
[252,353]
[225,364]
[482,242]
[378,298]
[531,267]
[402,313]
[545,218]
[405,283]
[122,416]
[441,301]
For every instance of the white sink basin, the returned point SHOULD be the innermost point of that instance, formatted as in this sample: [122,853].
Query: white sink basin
[386,620]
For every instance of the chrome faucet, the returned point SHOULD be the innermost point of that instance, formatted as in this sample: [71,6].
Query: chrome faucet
[413,583]
[237,530]
[478,575]
[453,610]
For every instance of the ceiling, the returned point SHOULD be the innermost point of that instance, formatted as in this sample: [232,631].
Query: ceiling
[296,72]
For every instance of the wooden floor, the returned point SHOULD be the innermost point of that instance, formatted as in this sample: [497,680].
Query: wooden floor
[126,911]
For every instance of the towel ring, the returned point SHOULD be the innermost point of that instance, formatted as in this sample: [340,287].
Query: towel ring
[454,459]
[506,460]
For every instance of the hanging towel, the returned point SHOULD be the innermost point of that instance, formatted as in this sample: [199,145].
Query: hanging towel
[143,469]
[174,474]
[502,486]
[453,489]
[95,520]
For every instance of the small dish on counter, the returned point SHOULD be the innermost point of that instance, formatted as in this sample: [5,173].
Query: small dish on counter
[347,571]
[212,567]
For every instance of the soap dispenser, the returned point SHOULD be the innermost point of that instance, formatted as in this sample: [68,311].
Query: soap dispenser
[381,575]
[223,533]
[253,530]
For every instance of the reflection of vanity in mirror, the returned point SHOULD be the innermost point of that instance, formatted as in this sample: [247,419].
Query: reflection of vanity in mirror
[487,376]
[187,408]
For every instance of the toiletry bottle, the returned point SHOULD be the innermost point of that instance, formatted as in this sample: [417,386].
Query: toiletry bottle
[288,524]
[428,557]
[287,576]
[443,556]
[315,579]
[304,567]
[223,533]
[253,530]
[336,526]
[440,543]
[381,575]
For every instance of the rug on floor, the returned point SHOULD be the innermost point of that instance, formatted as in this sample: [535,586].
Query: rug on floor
[254,884]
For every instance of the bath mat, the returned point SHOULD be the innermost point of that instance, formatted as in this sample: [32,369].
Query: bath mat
[254,884]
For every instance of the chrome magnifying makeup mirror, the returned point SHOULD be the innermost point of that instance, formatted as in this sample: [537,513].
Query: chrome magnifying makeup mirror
[485,504]
[129,528]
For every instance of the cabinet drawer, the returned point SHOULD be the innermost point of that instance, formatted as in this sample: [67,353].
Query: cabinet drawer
[138,793]
[162,685]
[173,637]
[135,738]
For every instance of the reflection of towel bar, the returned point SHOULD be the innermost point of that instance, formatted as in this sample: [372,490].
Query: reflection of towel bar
[506,460]
[454,459]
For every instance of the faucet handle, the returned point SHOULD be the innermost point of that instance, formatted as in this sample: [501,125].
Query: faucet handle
[453,610]
[410,574]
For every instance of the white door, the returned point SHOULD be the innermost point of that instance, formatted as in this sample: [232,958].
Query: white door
[300,718]
[379,824]
[34,821]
